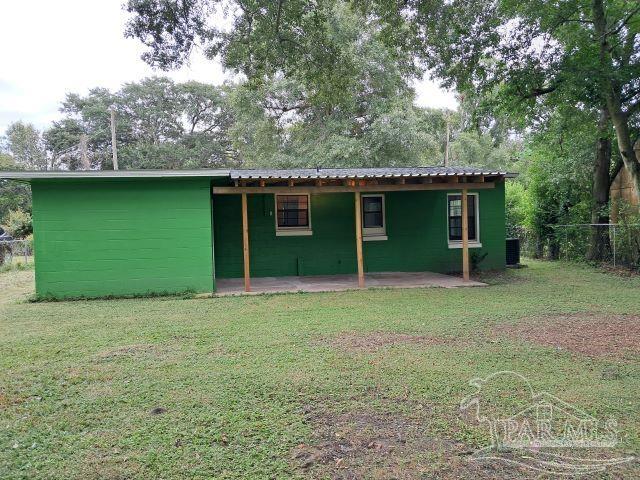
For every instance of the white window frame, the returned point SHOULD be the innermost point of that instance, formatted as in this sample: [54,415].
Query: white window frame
[292,231]
[374,233]
[458,243]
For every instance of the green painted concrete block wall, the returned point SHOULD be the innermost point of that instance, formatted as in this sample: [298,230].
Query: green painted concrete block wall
[122,237]
[330,250]
[416,230]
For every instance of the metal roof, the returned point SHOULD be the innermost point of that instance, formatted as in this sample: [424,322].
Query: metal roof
[66,174]
[364,172]
[300,173]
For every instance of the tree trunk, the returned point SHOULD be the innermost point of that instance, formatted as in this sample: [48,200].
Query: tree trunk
[629,157]
[599,245]
[612,94]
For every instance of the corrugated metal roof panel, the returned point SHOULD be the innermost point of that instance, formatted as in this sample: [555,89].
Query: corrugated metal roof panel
[296,173]
[362,172]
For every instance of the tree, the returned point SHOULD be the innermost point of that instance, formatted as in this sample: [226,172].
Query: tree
[18,224]
[558,172]
[303,41]
[159,124]
[479,149]
[346,71]
[24,143]
[13,195]
[527,55]
[281,121]
[604,174]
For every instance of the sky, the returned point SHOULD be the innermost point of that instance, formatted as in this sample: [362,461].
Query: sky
[51,48]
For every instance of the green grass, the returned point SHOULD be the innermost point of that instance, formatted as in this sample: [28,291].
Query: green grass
[17,263]
[78,380]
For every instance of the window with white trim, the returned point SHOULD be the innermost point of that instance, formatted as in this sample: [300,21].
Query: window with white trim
[293,214]
[454,218]
[373,217]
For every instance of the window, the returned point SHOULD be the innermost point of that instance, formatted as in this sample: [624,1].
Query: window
[454,212]
[373,221]
[292,215]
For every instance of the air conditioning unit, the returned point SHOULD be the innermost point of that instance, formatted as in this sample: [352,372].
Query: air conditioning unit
[513,251]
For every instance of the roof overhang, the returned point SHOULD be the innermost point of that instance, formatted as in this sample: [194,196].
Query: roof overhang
[299,177]
[335,180]
[346,173]
[28,175]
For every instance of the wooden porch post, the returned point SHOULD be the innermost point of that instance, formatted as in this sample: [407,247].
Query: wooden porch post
[465,236]
[359,241]
[245,243]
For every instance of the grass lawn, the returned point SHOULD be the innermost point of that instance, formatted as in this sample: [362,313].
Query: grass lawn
[362,384]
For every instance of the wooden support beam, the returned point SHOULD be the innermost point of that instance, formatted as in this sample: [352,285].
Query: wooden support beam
[359,240]
[245,243]
[345,188]
[465,236]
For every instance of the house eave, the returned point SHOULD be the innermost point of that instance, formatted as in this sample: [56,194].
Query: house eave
[25,175]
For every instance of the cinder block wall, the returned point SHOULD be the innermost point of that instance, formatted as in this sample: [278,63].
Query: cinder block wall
[96,238]
[416,229]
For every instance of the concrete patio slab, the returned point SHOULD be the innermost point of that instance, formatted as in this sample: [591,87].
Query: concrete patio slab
[335,283]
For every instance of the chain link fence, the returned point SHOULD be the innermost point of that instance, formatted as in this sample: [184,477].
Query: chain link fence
[616,244]
[14,251]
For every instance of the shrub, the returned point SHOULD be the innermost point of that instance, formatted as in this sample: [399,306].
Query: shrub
[18,224]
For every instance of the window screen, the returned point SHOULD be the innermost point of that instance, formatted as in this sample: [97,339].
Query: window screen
[455,217]
[293,211]
[372,215]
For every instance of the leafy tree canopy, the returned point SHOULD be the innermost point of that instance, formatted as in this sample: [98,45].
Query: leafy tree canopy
[24,142]
[527,58]
[304,41]
[159,124]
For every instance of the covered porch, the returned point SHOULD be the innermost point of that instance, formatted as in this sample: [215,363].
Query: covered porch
[336,283]
[281,249]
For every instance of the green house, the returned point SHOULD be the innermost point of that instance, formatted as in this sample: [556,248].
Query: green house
[103,233]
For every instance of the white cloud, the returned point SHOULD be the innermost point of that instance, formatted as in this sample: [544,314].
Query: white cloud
[50,48]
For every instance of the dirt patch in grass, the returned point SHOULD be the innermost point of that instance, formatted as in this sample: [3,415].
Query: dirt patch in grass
[373,341]
[107,464]
[594,335]
[368,443]
[8,400]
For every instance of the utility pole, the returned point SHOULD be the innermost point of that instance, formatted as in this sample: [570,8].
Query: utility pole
[446,146]
[114,147]
[84,160]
